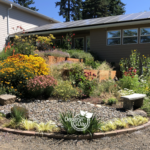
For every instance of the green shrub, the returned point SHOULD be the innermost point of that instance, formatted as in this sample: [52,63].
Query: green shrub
[129,82]
[112,101]
[146,105]
[65,90]
[19,113]
[80,54]
[92,63]
[94,126]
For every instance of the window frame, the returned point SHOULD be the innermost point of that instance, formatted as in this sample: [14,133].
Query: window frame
[86,41]
[130,36]
[143,35]
[113,38]
[79,38]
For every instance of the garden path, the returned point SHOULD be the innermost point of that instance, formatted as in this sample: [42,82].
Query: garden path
[130,141]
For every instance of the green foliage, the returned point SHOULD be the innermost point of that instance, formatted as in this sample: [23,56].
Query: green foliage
[80,54]
[28,125]
[129,82]
[83,80]
[112,101]
[67,40]
[65,90]
[47,127]
[24,45]
[93,64]
[102,8]
[94,126]
[146,105]
[123,123]
[26,3]
[19,113]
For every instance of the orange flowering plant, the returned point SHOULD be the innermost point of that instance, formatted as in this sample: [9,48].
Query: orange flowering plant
[17,69]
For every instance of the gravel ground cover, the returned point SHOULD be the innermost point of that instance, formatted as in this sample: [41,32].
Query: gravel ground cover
[138,140]
[45,110]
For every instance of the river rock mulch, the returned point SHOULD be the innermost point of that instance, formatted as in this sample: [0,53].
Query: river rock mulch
[45,110]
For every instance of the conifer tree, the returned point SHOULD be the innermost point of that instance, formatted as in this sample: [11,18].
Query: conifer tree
[116,7]
[66,7]
[77,10]
[102,8]
[26,3]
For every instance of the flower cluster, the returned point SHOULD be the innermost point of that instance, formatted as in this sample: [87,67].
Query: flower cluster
[41,85]
[131,72]
[45,42]
[17,69]
[41,82]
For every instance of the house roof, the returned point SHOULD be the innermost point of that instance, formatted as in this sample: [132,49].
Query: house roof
[7,2]
[103,22]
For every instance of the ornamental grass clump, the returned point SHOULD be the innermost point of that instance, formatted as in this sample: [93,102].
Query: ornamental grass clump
[17,69]
[41,86]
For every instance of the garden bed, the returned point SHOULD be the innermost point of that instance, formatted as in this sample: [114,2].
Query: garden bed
[54,60]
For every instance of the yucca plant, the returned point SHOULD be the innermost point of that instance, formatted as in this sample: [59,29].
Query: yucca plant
[94,124]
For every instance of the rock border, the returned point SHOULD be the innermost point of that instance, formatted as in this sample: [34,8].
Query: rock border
[61,136]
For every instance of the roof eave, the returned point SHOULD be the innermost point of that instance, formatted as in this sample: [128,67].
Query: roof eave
[87,27]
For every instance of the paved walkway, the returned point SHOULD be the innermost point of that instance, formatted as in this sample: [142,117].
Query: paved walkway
[139,140]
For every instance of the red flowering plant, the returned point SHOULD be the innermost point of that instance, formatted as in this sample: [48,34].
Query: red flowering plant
[130,79]
[131,72]
[67,40]
[83,80]
[41,86]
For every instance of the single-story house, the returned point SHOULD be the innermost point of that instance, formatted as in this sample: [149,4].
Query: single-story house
[110,38]
[13,15]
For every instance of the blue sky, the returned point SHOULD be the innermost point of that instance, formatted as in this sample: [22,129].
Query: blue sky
[48,8]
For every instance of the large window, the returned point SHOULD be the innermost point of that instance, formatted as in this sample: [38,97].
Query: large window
[114,37]
[145,35]
[130,36]
[79,43]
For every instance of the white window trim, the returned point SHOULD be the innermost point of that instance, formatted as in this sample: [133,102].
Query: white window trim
[86,42]
[79,38]
[113,38]
[143,35]
[129,36]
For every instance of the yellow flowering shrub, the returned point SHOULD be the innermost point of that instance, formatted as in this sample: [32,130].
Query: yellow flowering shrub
[44,42]
[17,69]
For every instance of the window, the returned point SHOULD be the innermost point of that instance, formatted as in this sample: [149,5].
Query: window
[88,44]
[113,37]
[57,42]
[145,35]
[130,36]
[79,43]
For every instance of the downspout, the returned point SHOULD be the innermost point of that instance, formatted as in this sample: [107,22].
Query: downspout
[11,5]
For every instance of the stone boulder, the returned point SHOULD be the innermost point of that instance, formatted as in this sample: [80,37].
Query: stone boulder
[137,113]
[7,99]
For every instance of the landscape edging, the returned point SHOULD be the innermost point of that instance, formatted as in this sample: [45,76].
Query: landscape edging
[61,136]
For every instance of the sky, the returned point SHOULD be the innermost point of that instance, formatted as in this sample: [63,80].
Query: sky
[48,8]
